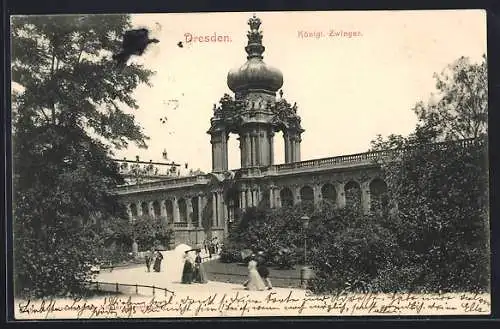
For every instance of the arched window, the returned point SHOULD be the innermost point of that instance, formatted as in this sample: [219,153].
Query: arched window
[145,208]
[182,210]
[379,200]
[328,193]
[133,210]
[169,207]
[194,211]
[286,197]
[352,194]
[264,201]
[306,194]
[157,209]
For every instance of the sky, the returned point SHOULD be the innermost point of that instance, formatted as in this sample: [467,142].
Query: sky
[347,90]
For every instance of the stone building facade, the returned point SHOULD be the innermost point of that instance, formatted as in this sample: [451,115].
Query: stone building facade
[257,111]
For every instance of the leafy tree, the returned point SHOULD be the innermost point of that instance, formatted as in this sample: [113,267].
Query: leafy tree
[150,232]
[67,116]
[441,190]
[459,109]
[442,218]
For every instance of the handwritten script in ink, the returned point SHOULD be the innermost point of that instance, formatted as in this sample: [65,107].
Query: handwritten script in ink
[286,303]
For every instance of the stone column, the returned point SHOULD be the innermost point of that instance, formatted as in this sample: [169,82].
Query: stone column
[271,147]
[163,211]
[214,209]
[297,198]
[224,156]
[258,149]
[297,148]
[242,151]
[365,197]
[339,188]
[219,150]
[177,216]
[291,147]
[243,199]
[215,155]
[220,208]
[151,209]
[277,200]
[271,197]
[225,218]
[249,198]
[163,208]
[129,212]
[253,138]
[200,209]
[317,193]
[189,210]
[287,147]
[248,149]
[255,201]
[139,209]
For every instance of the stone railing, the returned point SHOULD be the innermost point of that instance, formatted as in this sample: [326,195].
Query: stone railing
[181,224]
[164,184]
[365,157]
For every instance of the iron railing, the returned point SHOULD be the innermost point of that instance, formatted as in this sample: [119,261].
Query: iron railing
[126,288]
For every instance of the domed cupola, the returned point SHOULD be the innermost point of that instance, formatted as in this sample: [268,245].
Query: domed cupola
[255,74]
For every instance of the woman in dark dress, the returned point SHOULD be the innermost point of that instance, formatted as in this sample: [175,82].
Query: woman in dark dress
[158,259]
[188,270]
[200,275]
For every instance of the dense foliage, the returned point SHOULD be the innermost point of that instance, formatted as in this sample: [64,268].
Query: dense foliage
[67,114]
[428,232]
[151,233]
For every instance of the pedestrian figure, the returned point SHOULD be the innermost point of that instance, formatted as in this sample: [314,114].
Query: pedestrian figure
[158,259]
[215,243]
[200,275]
[205,245]
[263,270]
[187,271]
[254,281]
[149,260]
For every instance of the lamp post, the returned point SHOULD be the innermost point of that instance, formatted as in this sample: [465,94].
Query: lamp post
[305,224]
[305,272]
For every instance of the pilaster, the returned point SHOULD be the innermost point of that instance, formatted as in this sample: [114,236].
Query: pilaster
[200,209]
[175,205]
[139,209]
[189,210]
[339,187]
[214,209]
[317,193]
[365,197]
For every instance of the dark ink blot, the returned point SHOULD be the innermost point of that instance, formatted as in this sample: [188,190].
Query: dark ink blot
[180,45]
[134,42]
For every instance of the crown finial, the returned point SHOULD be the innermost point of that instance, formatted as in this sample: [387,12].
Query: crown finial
[254,23]
[254,48]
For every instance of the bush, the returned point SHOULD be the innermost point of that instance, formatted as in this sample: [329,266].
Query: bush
[350,251]
[150,232]
[230,252]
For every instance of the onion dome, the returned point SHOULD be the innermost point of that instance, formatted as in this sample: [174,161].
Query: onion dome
[255,74]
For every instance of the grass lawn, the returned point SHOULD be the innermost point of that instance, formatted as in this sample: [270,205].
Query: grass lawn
[238,272]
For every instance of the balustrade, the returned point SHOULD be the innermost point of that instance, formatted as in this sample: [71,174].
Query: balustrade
[366,156]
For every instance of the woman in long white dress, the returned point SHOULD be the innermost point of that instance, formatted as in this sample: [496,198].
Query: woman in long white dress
[254,282]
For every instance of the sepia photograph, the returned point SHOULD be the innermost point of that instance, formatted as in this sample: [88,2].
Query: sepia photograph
[250,164]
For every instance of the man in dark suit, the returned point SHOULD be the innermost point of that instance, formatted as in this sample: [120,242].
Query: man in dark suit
[263,270]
